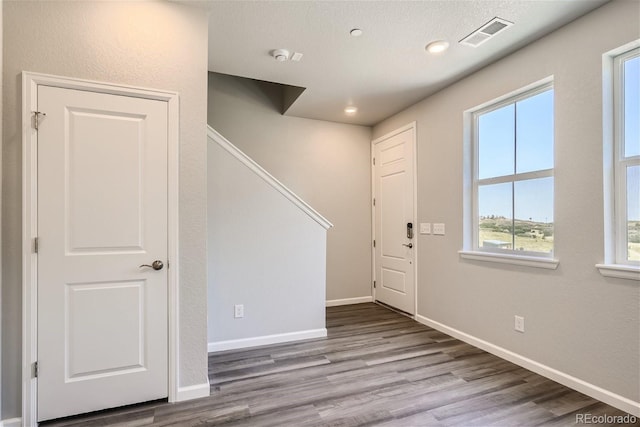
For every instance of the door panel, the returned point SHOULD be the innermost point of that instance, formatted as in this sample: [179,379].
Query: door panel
[394,280]
[95,167]
[393,187]
[88,306]
[102,212]
[392,214]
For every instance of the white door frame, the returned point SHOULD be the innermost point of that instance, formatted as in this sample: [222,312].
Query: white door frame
[386,136]
[30,82]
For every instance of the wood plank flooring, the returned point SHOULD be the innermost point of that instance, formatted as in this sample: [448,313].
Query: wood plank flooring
[375,368]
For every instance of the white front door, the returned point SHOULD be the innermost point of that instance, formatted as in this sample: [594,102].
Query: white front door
[394,220]
[102,212]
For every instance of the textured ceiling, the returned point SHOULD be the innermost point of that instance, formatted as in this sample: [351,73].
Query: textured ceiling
[387,68]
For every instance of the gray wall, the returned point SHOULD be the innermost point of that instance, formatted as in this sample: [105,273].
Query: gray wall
[264,252]
[326,164]
[577,321]
[159,45]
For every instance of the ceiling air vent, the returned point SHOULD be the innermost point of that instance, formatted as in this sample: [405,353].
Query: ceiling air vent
[485,32]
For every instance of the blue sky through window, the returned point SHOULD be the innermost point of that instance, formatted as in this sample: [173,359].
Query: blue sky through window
[520,136]
[632,134]
[534,200]
[534,133]
[496,142]
[495,200]
[632,107]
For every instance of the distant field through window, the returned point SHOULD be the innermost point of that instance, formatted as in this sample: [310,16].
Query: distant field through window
[513,185]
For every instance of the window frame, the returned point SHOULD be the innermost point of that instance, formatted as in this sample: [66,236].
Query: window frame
[621,162]
[512,98]
[611,147]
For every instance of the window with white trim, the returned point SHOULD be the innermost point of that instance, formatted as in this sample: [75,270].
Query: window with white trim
[513,145]
[626,110]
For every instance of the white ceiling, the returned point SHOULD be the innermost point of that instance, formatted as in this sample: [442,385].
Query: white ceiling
[387,68]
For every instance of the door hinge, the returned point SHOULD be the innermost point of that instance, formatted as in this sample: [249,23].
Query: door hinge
[35,369]
[374,161]
[374,201]
[36,118]
[374,283]
[374,243]
[35,245]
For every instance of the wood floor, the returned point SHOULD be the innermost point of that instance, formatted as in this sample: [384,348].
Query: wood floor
[376,368]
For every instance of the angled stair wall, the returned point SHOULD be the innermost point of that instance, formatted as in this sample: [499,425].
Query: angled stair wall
[267,252]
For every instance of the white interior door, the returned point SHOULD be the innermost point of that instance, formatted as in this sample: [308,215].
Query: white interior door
[102,212]
[393,211]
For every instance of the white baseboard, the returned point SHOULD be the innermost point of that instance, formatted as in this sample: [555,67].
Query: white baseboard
[193,392]
[266,340]
[348,301]
[582,386]
[11,422]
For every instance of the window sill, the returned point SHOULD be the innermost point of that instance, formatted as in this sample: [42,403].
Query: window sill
[528,261]
[619,271]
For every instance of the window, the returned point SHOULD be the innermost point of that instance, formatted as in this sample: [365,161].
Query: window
[513,143]
[626,110]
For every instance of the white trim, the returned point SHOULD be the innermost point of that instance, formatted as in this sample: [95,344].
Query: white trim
[193,392]
[528,261]
[619,271]
[413,125]
[29,259]
[524,176]
[30,82]
[214,136]
[514,95]
[613,105]
[11,422]
[609,159]
[266,340]
[348,301]
[173,246]
[373,220]
[582,386]
[416,246]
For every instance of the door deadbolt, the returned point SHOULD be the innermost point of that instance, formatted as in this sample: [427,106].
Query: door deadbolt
[409,230]
[156,265]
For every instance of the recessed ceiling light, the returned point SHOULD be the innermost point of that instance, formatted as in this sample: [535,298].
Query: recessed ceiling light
[351,110]
[438,46]
[356,32]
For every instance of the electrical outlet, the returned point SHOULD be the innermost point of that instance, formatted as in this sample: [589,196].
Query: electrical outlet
[425,228]
[238,311]
[438,228]
[519,323]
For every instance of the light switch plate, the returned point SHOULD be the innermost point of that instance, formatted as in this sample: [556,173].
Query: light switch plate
[438,228]
[425,228]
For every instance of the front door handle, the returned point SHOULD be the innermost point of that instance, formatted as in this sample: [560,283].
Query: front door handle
[156,265]
[410,245]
